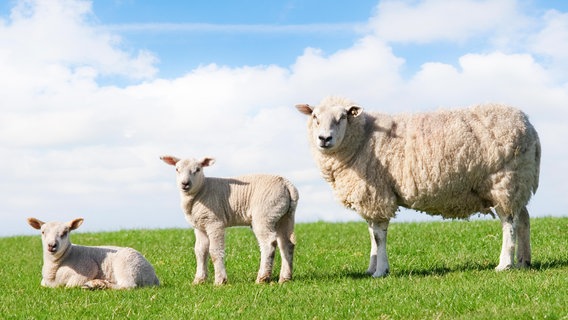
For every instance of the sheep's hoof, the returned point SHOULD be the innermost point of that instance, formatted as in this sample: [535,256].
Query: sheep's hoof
[524,264]
[284,280]
[95,285]
[263,279]
[381,274]
[198,281]
[221,282]
[503,267]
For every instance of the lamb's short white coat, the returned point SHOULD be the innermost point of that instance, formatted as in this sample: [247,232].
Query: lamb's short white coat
[69,265]
[452,163]
[267,203]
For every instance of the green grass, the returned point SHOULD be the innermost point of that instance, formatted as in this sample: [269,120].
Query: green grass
[439,270]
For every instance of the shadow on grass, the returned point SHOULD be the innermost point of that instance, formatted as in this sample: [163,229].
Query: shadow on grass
[426,272]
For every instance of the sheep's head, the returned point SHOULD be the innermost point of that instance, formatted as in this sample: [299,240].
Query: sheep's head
[189,172]
[328,123]
[55,235]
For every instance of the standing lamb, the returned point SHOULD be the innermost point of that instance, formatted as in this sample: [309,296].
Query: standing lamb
[66,264]
[450,163]
[265,202]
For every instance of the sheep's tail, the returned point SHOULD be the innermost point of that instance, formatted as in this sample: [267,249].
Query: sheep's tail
[294,197]
[537,165]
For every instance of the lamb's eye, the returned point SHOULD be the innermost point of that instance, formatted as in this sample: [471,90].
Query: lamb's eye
[177,170]
[64,234]
[197,170]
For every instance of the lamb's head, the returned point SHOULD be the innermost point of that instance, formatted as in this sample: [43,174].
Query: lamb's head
[328,122]
[189,173]
[55,235]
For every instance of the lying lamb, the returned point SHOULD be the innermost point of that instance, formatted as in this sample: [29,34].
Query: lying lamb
[451,163]
[66,264]
[265,202]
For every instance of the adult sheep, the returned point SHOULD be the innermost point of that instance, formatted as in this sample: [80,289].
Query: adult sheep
[267,203]
[451,163]
[66,264]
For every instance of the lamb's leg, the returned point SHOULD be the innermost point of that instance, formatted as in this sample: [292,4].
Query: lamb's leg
[217,251]
[267,242]
[380,264]
[508,247]
[523,232]
[286,243]
[201,256]
[98,284]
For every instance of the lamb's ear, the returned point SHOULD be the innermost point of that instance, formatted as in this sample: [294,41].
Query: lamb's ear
[354,111]
[206,162]
[305,109]
[170,160]
[74,224]
[35,223]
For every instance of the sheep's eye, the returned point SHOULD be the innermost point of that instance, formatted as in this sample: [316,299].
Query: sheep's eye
[315,118]
[177,170]
[197,170]
[64,234]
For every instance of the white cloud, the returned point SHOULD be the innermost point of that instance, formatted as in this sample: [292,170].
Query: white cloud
[75,147]
[440,20]
[41,33]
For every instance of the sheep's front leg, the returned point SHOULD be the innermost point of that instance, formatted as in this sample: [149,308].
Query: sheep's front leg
[201,256]
[508,247]
[217,252]
[379,262]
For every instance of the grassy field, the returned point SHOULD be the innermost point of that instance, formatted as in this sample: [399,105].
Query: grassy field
[439,270]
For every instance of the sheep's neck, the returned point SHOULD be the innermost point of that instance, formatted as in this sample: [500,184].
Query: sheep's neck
[51,264]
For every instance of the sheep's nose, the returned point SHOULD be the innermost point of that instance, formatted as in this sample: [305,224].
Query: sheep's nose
[186,185]
[52,247]
[324,139]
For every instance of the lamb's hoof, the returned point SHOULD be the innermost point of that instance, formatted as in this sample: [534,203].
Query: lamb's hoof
[284,280]
[220,282]
[263,279]
[199,281]
[95,284]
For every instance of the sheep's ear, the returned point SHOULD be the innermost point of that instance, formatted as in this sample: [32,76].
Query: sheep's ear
[35,223]
[305,109]
[170,160]
[74,224]
[206,162]
[354,111]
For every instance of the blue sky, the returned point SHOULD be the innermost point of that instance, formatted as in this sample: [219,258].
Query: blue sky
[94,92]
[186,34]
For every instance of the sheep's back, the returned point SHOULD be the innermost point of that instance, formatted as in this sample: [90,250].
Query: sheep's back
[440,161]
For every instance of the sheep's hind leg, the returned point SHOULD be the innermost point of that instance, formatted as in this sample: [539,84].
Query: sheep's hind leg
[286,243]
[379,262]
[508,246]
[523,232]
[267,242]
[201,256]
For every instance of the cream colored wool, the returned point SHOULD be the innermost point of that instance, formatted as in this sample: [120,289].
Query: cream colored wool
[69,265]
[267,203]
[452,163]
